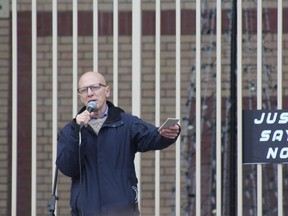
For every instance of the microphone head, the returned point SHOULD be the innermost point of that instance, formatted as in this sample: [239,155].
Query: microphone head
[91,106]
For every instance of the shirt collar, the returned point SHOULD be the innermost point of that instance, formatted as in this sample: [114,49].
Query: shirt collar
[104,114]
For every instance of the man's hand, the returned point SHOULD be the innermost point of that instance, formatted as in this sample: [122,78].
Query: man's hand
[171,132]
[84,118]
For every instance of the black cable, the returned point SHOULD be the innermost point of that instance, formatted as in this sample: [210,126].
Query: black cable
[80,167]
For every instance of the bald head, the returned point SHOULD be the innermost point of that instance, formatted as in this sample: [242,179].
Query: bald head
[91,77]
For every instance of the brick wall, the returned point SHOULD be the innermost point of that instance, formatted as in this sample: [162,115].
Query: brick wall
[85,62]
[5,124]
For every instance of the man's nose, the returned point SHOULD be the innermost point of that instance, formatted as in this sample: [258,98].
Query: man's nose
[90,92]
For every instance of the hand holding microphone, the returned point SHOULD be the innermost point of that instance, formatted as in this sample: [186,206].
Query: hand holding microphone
[83,118]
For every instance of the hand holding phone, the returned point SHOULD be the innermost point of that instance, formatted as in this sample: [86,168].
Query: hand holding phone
[169,122]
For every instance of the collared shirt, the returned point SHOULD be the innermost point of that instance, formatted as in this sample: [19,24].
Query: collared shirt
[103,115]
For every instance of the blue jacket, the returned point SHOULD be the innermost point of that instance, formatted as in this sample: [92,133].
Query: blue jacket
[108,183]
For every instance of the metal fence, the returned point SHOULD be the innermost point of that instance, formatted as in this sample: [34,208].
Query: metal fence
[136,95]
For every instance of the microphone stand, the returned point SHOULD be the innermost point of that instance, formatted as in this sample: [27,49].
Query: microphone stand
[54,197]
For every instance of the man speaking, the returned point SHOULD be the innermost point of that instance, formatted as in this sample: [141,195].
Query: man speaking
[97,150]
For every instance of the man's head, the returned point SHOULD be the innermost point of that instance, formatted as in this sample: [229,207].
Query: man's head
[92,87]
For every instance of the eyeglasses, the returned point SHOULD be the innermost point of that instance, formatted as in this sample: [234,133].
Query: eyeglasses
[93,88]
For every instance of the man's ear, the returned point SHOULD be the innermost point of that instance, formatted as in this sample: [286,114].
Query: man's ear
[107,91]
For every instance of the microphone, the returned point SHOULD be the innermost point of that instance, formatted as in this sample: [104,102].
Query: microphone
[91,106]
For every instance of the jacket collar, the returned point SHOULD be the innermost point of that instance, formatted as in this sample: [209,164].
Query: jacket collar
[114,113]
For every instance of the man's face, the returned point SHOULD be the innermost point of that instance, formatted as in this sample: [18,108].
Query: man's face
[92,87]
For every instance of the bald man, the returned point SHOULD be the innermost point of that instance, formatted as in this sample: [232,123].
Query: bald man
[97,150]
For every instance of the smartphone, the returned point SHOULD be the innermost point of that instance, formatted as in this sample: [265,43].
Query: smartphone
[169,122]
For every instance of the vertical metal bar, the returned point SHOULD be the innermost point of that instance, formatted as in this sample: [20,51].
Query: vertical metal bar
[178,108]
[75,55]
[279,53]
[198,107]
[115,52]
[55,87]
[157,100]
[14,109]
[259,54]
[259,98]
[279,96]
[218,110]
[136,77]
[95,35]
[34,109]
[239,113]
